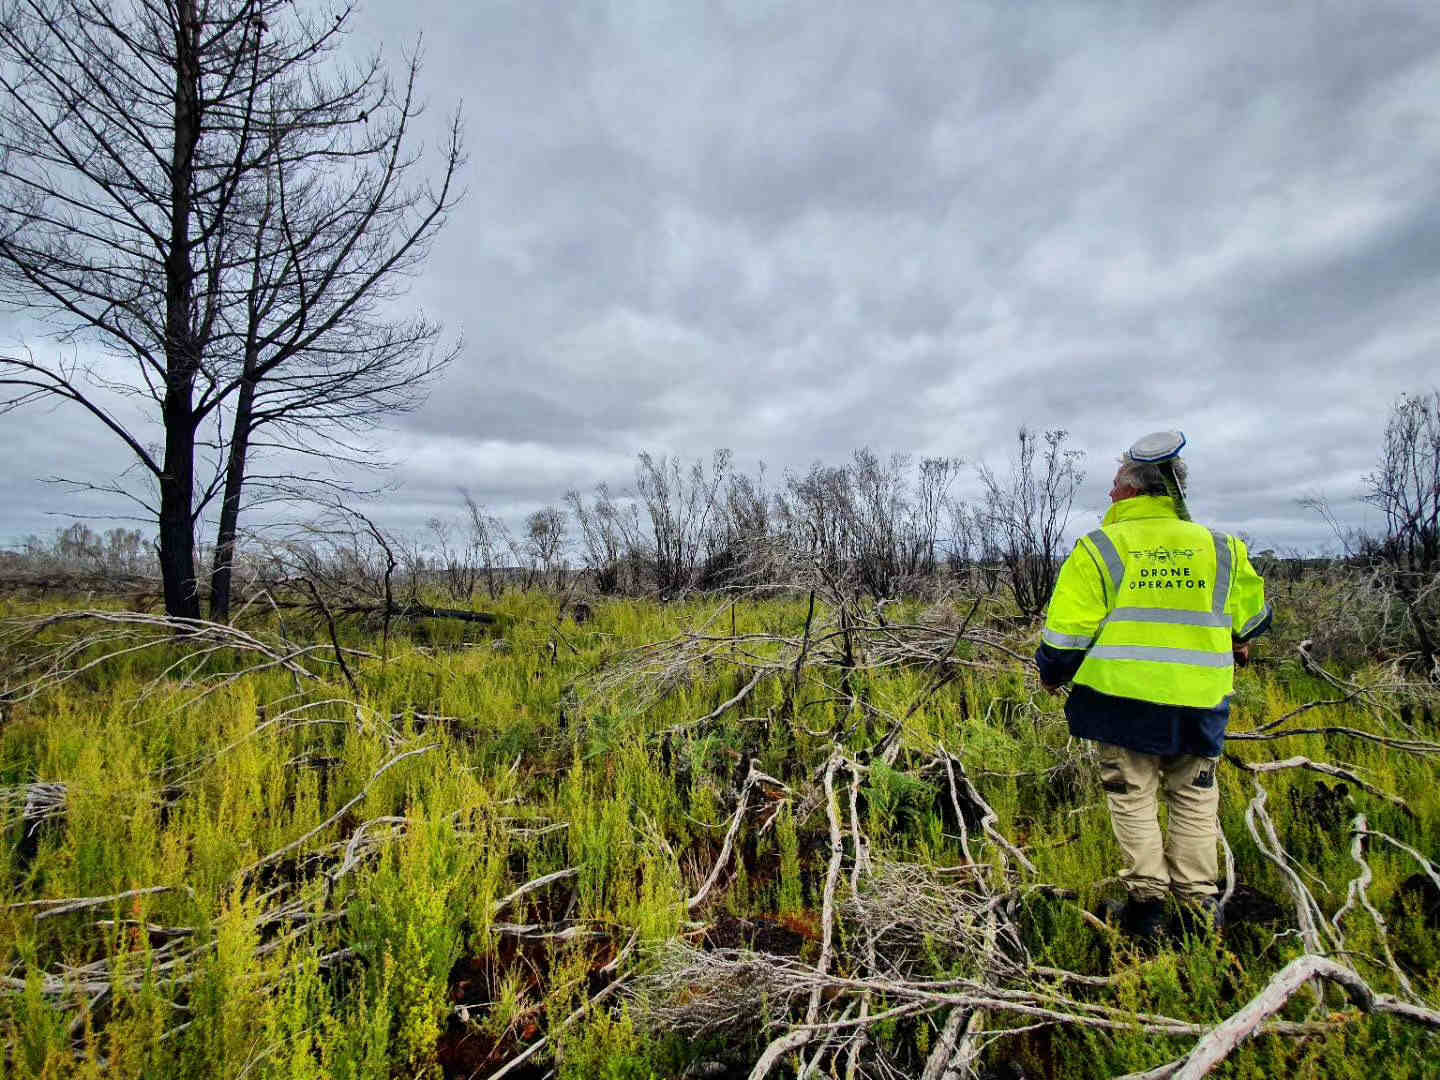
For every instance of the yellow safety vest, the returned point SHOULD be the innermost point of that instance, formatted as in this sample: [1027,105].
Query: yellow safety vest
[1154,602]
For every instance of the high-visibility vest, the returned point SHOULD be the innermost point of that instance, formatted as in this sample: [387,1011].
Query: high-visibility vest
[1154,602]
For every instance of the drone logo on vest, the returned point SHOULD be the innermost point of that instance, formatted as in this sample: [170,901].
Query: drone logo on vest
[1163,554]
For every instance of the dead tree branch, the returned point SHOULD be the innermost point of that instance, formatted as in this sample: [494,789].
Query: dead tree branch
[1219,1043]
[1314,931]
[1356,892]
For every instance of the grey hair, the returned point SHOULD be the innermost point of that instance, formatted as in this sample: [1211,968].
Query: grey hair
[1148,478]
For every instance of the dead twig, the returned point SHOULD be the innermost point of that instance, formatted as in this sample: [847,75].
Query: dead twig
[988,817]
[1409,746]
[67,905]
[724,707]
[755,776]
[534,1048]
[124,633]
[532,886]
[799,1036]
[1430,869]
[359,796]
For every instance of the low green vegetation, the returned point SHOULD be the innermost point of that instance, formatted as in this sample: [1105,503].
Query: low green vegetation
[283,877]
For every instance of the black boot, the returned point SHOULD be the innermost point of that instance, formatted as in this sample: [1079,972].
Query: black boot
[1143,920]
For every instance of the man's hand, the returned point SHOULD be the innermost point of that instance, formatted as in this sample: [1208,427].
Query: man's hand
[1053,691]
[1241,654]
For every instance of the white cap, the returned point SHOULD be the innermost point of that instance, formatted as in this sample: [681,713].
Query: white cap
[1156,447]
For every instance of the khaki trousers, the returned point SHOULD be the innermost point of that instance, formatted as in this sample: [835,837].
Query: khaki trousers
[1186,861]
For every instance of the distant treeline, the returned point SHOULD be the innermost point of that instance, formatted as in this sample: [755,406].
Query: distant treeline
[887,526]
[885,523]
[79,550]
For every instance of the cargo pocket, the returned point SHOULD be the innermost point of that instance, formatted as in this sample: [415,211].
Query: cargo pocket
[1112,775]
[1195,774]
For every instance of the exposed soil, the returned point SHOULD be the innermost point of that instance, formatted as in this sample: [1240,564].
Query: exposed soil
[169,798]
[1250,906]
[465,1051]
[716,1070]
[1325,808]
[1425,717]
[774,936]
[29,835]
[944,807]
[1005,1070]
[460,730]
[1248,910]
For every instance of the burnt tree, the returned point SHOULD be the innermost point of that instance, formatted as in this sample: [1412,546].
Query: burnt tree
[222,216]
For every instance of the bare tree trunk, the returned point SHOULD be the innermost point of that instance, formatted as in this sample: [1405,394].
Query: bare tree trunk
[177,480]
[222,573]
[177,526]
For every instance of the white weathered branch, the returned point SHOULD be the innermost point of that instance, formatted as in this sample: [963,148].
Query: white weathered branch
[531,886]
[1314,932]
[1219,1043]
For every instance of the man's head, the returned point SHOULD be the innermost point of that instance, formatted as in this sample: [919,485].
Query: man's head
[1145,478]
[1153,467]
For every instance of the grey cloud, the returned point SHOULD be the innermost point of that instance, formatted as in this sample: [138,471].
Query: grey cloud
[795,229]
[1386,276]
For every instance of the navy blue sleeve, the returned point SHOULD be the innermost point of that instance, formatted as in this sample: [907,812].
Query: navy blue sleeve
[1058,666]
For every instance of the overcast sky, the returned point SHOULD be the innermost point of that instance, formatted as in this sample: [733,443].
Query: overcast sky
[795,229]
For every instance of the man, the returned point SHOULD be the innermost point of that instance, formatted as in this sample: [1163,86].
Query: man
[1149,616]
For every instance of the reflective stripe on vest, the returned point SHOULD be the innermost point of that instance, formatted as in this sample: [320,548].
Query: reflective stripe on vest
[1113,563]
[1065,641]
[1159,654]
[1222,572]
[1256,621]
[1173,616]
